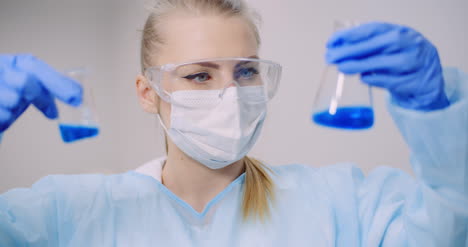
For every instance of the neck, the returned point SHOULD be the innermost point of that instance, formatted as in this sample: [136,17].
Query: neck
[193,182]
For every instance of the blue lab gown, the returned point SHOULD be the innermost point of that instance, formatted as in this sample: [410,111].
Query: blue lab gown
[330,206]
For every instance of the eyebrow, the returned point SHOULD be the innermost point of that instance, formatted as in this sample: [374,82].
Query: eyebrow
[247,62]
[216,66]
[209,65]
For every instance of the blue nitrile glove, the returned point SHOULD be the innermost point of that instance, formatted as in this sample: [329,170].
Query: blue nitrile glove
[25,79]
[394,57]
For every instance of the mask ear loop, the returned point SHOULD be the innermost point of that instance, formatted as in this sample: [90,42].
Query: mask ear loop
[161,122]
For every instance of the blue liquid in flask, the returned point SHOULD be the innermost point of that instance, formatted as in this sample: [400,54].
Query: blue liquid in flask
[352,118]
[71,133]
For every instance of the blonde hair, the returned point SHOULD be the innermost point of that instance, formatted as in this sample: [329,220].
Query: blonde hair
[152,39]
[258,189]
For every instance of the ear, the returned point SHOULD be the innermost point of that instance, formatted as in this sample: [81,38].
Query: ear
[149,99]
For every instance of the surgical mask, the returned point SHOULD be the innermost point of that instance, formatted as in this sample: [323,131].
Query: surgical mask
[216,132]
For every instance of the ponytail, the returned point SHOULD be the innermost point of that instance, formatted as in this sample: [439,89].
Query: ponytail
[258,191]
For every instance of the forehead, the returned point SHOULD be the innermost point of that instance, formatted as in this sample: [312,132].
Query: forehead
[187,37]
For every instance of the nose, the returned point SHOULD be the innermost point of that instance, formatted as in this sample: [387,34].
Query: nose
[227,76]
[232,83]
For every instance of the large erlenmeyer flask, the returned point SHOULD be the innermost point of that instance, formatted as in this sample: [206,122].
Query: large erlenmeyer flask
[343,101]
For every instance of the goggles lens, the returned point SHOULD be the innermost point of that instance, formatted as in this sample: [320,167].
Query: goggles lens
[218,75]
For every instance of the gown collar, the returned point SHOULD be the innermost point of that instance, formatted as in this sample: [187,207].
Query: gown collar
[154,168]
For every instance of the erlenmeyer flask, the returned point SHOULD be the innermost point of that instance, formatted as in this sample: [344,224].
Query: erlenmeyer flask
[343,101]
[77,123]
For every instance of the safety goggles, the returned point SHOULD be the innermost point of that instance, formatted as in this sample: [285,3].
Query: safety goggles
[217,75]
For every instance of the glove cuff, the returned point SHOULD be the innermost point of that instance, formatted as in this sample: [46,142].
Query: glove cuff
[422,103]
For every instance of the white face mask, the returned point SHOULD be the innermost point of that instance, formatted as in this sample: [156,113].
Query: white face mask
[216,132]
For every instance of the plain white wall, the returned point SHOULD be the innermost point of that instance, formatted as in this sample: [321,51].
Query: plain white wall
[104,36]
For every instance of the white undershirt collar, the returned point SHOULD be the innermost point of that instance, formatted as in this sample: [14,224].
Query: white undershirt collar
[153,168]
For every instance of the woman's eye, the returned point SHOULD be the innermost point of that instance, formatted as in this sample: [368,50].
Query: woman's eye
[199,77]
[246,73]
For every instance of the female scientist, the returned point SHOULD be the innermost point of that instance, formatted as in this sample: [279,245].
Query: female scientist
[204,80]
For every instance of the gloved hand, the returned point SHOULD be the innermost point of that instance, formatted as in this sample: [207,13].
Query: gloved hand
[25,79]
[393,57]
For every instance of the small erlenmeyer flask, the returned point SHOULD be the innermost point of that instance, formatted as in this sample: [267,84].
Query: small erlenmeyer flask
[343,101]
[77,123]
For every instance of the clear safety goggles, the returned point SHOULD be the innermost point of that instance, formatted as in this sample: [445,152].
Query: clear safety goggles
[217,75]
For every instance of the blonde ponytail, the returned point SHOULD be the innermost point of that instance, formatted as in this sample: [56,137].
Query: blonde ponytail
[258,190]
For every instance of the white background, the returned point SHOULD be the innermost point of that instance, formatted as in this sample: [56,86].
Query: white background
[105,36]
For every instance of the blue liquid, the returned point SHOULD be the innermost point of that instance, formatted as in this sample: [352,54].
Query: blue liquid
[71,133]
[352,118]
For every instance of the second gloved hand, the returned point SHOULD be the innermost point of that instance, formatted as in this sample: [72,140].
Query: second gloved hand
[393,57]
[25,79]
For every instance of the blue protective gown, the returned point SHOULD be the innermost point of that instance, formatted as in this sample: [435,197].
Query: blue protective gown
[330,206]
